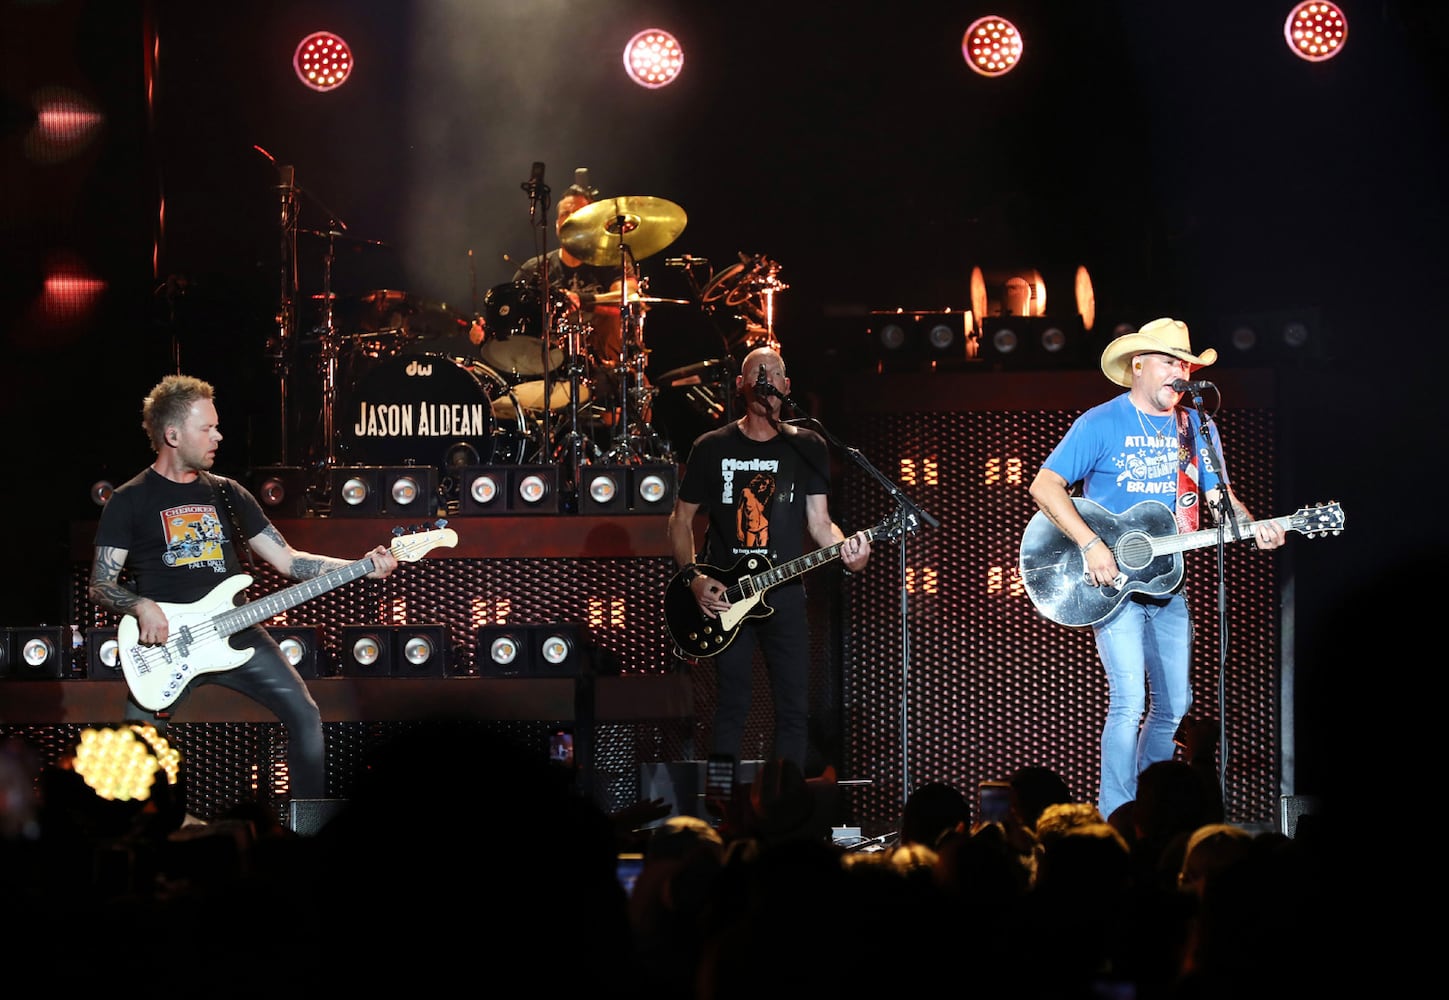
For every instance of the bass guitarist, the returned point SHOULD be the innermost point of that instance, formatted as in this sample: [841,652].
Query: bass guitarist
[171,526]
[1140,445]
[763,485]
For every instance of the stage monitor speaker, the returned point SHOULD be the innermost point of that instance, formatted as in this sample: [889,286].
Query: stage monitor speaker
[681,784]
[307,817]
[1291,808]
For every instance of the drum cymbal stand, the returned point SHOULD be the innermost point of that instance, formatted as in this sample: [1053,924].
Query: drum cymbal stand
[635,440]
[571,451]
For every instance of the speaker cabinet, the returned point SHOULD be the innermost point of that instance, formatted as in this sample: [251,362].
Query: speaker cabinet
[307,817]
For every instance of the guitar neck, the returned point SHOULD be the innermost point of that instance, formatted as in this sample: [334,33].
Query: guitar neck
[255,612]
[776,575]
[1209,536]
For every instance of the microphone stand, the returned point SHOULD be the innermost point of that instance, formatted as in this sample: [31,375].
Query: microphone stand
[1227,518]
[911,517]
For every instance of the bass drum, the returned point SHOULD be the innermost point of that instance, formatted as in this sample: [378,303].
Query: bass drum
[432,410]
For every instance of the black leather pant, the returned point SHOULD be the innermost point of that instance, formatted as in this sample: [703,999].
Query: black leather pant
[272,682]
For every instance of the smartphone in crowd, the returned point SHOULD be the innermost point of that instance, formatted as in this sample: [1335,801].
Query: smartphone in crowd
[993,802]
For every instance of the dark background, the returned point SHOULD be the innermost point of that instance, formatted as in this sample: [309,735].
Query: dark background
[1179,153]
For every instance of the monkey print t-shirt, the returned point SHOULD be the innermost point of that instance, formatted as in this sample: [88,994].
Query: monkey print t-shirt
[754,491]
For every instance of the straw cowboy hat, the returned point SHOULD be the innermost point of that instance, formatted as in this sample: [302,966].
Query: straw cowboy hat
[1161,336]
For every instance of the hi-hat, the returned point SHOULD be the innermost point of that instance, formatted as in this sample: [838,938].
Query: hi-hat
[645,225]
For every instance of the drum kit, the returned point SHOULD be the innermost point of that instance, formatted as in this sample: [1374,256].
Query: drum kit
[531,377]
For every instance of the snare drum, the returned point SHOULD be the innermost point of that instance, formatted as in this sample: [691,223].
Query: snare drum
[419,408]
[513,330]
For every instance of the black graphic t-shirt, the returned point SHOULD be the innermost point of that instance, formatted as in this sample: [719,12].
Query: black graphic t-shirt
[177,535]
[754,491]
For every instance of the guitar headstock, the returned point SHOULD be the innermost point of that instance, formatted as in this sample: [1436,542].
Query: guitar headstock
[412,547]
[1322,519]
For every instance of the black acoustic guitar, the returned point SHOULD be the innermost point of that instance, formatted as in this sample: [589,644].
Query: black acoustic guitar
[698,635]
[1148,550]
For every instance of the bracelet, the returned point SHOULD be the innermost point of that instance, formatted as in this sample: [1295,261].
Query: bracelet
[1086,548]
[693,573]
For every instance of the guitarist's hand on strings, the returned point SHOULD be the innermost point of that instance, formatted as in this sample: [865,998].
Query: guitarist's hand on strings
[710,594]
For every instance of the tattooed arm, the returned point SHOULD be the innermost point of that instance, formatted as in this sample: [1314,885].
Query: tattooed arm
[106,591]
[271,546]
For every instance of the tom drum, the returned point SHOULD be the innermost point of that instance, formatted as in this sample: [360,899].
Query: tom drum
[514,334]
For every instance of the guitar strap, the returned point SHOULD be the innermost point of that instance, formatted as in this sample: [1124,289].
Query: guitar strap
[221,488]
[1188,485]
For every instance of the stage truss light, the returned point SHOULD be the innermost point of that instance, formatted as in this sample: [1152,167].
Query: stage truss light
[120,763]
[1315,31]
[653,58]
[991,46]
[323,61]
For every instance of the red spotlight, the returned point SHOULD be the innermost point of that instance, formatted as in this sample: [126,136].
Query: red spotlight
[653,58]
[991,46]
[70,291]
[65,123]
[323,61]
[1315,31]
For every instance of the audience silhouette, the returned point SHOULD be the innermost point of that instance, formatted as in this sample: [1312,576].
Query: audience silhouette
[461,853]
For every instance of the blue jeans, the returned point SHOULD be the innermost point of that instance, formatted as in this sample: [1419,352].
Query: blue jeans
[1146,648]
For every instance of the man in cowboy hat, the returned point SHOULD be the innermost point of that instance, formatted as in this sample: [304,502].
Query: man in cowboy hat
[1139,446]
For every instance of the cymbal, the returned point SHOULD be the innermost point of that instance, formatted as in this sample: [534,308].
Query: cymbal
[645,225]
[614,298]
[385,299]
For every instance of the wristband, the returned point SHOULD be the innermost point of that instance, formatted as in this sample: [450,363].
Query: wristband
[691,573]
[1086,548]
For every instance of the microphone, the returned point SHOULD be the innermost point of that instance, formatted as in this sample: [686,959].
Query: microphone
[763,387]
[534,184]
[1178,385]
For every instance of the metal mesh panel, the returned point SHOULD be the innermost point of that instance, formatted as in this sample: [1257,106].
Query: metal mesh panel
[988,685]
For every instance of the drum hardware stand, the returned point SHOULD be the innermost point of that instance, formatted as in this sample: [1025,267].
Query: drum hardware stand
[280,348]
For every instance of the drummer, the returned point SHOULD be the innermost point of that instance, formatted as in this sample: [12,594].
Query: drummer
[581,282]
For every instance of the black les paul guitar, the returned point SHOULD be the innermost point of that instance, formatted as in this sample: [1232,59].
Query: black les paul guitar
[1148,550]
[698,635]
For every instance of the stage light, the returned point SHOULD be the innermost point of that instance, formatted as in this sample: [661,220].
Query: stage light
[653,58]
[421,651]
[388,491]
[557,650]
[533,489]
[65,124]
[41,653]
[1025,342]
[1270,339]
[604,490]
[323,61]
[481,489]
[103,655]
[991,46]
[101,491]
[1315,31]
[281,490]
[652,488]
[365,651]
[302,647]
[120,763]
